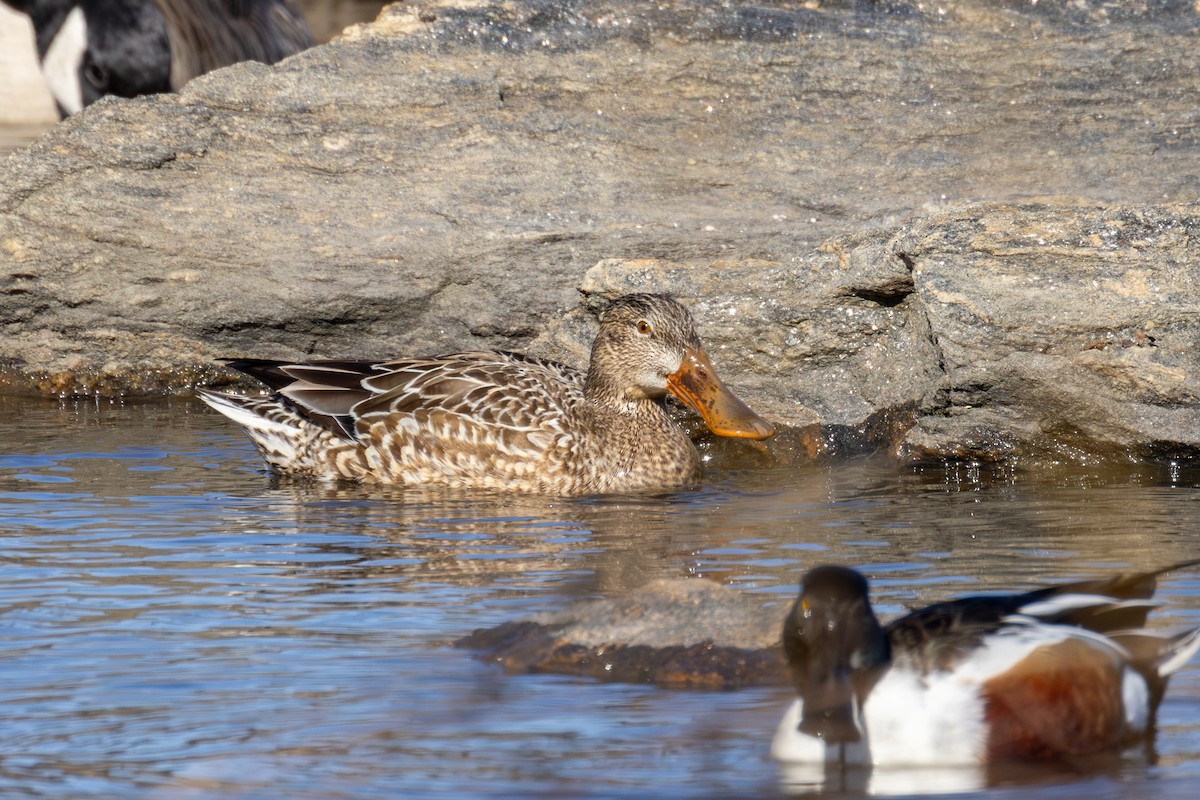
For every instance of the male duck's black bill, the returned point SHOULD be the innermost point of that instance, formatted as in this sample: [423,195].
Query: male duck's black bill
[696,383]
[829,712]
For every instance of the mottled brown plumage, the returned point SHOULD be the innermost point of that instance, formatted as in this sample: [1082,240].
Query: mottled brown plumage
[501,420]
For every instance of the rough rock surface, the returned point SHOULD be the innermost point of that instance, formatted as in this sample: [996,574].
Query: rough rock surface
[956,229]
[1060,331]
[678,633]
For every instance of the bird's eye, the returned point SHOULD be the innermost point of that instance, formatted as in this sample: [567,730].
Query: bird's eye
[643,327]
[96,75]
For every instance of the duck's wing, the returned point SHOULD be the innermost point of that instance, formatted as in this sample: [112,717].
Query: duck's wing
[1119,602]
[509,418]
[488,388]
[942,630]
[323,391]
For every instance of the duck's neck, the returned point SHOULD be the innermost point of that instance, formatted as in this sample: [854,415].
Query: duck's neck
[606,394]
[632,412]
[642,446]
[599,387]
[631,405]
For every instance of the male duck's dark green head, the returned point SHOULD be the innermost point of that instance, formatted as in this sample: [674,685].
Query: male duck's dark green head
[837,651]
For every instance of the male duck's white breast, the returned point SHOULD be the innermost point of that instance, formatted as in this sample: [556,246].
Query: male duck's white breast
[920,720]
[909,720]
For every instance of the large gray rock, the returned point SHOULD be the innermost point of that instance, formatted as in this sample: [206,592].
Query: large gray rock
[946,229]
[1060,332]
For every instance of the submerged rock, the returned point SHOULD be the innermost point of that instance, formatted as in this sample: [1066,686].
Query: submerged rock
[677,633]
[963,231]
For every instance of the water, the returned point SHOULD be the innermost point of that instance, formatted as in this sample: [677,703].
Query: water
[174,622]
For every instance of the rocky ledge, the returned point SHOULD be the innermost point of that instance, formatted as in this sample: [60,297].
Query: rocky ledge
[965,229]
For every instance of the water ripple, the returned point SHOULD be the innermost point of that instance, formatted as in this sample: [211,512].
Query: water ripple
[176,622]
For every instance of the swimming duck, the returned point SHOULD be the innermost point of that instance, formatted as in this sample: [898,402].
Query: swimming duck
[1053,673]
[501,420]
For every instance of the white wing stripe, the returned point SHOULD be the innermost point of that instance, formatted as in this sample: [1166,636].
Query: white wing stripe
[1061,603]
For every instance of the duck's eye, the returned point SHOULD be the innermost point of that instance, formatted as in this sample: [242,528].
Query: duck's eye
[643,327]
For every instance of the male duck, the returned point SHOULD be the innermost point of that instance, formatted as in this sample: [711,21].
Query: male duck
[1059,672]
[501,420]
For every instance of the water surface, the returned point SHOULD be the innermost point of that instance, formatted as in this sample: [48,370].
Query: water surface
[175,622]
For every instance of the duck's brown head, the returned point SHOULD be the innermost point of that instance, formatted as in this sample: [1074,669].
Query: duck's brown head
[647,346]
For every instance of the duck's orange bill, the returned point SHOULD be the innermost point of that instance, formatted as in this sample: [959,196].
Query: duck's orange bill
[696,383]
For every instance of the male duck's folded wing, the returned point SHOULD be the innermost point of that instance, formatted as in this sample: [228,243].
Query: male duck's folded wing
[1119,602]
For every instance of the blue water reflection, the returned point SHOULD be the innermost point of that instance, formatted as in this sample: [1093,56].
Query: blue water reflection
[175,622]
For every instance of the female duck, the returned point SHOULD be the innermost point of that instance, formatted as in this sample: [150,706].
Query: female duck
[501,420]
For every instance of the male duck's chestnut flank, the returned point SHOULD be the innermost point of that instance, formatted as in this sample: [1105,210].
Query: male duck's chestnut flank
[501,420]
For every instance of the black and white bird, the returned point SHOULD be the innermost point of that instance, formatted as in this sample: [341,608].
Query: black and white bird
[1059,672]
[92,48]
